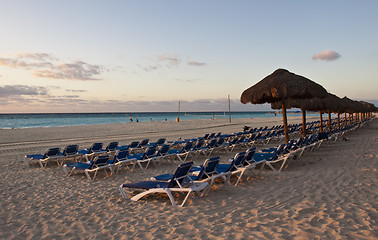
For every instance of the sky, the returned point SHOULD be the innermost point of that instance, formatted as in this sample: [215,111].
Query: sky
[148,55]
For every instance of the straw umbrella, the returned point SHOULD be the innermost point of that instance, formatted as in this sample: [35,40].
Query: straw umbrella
[334,104]
[369,107]
[280,86]
[350,107]
[331,103]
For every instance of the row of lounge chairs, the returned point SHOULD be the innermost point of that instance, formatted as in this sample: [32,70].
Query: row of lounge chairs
[205,175]
[197,179]
[190,179]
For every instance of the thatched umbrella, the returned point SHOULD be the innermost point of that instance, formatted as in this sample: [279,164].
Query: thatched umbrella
[310,104]
[350,107]
[338,106]
[369,107]
[280,86]
[331,103]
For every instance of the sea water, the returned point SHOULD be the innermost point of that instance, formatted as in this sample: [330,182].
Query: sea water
[32,120]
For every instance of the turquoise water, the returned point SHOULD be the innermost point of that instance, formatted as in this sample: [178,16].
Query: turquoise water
[8,121]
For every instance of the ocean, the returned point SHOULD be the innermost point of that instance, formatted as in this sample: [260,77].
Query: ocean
[33,120]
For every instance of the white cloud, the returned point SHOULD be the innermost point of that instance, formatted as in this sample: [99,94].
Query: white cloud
[198,64]
[45,66]
[170,60]
[326,55]
[20,90]
[78,70]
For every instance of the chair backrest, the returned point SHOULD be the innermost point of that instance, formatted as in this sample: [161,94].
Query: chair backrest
[199,144]
[163,150]
[96,147]
[70,150]
[160,141]
[212,143]
[112,146]
[220,141]
[143,142]
[180,174]
[241,139]
[210,166]
[206,136]
[150,152]
[121,155]
[101,160]
[51,152]
[134,144]
[249,154]
[212,135]
[237,160]
[188,146]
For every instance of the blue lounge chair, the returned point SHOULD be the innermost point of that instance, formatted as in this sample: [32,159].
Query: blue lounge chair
[208,148]
[199,173]
[87,167]
[93,151]
[70,152]
[144,157]
[122,159]
[175,184]
[111,147]
[181,152]
[236,167]
[51,154]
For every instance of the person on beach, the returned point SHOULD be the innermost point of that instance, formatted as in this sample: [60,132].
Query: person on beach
[131,118]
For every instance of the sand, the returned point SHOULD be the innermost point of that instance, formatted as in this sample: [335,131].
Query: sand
[330,193]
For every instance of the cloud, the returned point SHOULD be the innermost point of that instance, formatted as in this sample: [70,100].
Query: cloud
[76,90]
[149,68]
[19,90]
[198,64]
[170,60]
[45,65]
[186,80]
[78,70]
[326,55]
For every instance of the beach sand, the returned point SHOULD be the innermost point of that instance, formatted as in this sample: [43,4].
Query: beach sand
[330,193]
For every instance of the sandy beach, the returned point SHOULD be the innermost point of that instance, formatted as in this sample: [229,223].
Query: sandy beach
[330,193]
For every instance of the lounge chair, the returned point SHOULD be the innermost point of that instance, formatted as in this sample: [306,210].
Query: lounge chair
[70,152]
[175,184]
[51,154]
[93,151]
[200,173]
[181,152]
[272,158]
[144,157]
[121,159]
[236,167]
[111,147]
[92,166]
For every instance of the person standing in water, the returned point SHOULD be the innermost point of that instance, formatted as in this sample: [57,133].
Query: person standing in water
[131,118]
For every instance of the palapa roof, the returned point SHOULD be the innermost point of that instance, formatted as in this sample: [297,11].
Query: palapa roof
[351,105]
[330,103]
[282,85]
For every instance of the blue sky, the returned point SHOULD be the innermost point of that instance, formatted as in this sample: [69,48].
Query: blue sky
[100,56]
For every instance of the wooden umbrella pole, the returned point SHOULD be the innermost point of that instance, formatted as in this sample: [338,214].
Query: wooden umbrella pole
[285,122]
[345,118]
[304,123]
[338,120]
[321,121]
[350,120]
[329,120]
